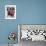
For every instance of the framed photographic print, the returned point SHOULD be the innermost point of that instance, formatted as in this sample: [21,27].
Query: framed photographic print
[10,11]
[33,32]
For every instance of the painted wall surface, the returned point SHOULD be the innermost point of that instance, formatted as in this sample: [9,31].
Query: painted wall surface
[27,12]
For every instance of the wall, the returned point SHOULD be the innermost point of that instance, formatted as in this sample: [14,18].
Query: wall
[28,12]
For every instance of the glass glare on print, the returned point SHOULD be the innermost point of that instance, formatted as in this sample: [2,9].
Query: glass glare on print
[10,11]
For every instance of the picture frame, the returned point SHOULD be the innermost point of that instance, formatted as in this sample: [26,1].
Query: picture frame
[10,11]
[39,35]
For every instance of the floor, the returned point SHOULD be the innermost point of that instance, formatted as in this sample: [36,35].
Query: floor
[30,43]
[9,45]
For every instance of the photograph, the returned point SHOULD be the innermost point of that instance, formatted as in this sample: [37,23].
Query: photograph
[10,11]
[28,33]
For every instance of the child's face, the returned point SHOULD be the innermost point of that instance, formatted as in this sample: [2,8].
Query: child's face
[11,11]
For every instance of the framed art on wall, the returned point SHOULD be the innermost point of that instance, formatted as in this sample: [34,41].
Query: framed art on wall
[31,32]
[10,11]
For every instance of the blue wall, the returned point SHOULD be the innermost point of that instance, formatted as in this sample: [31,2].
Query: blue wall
[28,12]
